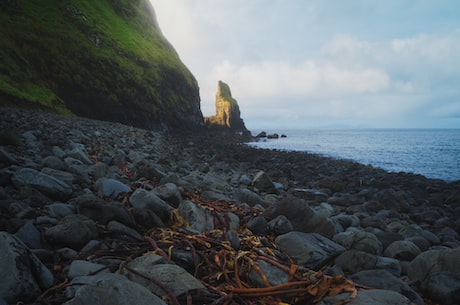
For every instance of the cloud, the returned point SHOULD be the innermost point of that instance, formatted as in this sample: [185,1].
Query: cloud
[391,64]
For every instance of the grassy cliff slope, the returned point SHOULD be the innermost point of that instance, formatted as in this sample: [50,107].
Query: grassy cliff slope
[104,59]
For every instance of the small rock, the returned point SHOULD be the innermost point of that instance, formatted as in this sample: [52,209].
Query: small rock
[29,235]
[274,275]
[353,261]
[119,228]
[54,163]
[257,225]
[360,240]
[169,193]
[263,183]
[366,297]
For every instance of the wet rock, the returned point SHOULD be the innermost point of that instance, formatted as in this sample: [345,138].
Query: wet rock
[44,183]
[72,231]
[263,183]
[402,250]
[169,193]
[353,261]
[101,211]
[374,297]
[302,217]
[360,240]
[280,225]
[382,279]
[107,187]
[123,231]
[198,218]
[443,287]
[114,291]
[29,235]
[81,268]
[143,199]
[54,163]
[23,276]
[434,261]
[175,278]
[311,250]
[257,225]
[274,275]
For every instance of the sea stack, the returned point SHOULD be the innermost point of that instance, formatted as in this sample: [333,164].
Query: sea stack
[227,111]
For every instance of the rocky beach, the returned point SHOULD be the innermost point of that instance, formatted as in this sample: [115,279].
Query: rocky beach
[103,213]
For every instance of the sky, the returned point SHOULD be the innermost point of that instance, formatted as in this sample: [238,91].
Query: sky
[323,63]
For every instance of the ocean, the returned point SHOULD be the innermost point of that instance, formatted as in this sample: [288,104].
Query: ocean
[434,153]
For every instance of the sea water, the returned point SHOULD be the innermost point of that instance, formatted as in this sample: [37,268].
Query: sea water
[434,153]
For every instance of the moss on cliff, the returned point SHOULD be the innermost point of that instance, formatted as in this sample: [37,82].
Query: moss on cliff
[104,59]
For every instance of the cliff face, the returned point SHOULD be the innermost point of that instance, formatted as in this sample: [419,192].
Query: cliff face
[104,59]
[228,114]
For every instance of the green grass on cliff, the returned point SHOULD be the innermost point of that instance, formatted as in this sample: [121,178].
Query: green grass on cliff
[83,42]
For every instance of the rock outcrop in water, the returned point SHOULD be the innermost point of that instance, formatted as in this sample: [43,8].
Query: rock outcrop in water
[228,114]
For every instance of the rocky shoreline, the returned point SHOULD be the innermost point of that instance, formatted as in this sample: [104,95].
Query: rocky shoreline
[91,209]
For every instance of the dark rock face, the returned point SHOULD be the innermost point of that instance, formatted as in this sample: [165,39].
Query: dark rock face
[102,60]
[228,114]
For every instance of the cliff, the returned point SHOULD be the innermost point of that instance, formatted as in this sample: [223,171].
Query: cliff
[228,114]
[104,59]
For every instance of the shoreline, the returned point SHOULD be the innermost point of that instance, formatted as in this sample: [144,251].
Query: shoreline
[128,184]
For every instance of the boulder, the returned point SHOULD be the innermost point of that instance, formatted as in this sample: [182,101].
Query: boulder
[443,287]
[310,250]
[280,225]
[112,290]
[175,278]
[404,250]
[263,183]
[382,279]
[274,275]
[101,211]
[72,231]
[360,240]
[353,261]
[44,183]
[143,199]
[257,225]
[82,268]
[302,217]
[107,187]
[434,261]
[29,235]
[169,193]
[366,297]
[199,218]
[23,275]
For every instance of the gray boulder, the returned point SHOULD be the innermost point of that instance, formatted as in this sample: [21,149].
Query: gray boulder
[199,218]
[263,183]
[113,290]
[108,187]
[310,250]
[274,275]
[257,225]
[443,287]
[404,250]
[175,278]
[143,199]
[81,268]
[29,235]
[101,211]
[44,183]
[353,261]
[434,261]
[169,193]
[382,279]
[367,297]
[72,231]
[23,276]
[360,240]
[280,225]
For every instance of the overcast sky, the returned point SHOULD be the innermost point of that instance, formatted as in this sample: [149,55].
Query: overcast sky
[323,63]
